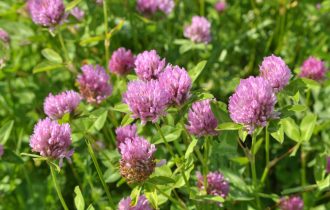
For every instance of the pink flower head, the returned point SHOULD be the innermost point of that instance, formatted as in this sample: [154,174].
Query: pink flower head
[142,204]
[292,203]
[275,70]
[253,103]
[137,159]
[147,100]
[94,84]
[148,65]
[125,132]
[66,102]
[199,30]
[51,139]
[78,13]
[122,61]
[313,68]
[48,13]
[1,150]
[4,37]
[99,2]
[328,165]
[147,6]
[216,184]
[176,83]
[201,120]
[220,6]
[166,6]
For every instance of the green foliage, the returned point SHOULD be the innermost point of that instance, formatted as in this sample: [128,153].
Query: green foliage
[35,64]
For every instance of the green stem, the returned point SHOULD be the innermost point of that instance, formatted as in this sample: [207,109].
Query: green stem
[253,169]
[106,39]
[66,54]
[169,197]
[303,170]
[58,190]
[99,172]
[308,96]
[198,153]
[205,166]
[202,5]
[267,145]
[172,154]
[168,147]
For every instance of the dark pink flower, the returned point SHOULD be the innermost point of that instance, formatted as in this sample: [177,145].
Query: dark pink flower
[122,61]
[125,132]
[137,159]
[313,68]
[199,30]
[253,103]
[147,100]
[51,139]
[292,203]
[47,13]
[275,71]
[142,204]
[94,84]
[148,65]
[201,120]
[66,102]
[176,83]
[216,184]
[220,6]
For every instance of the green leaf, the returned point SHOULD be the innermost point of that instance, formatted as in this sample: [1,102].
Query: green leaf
[152,198]
[190,148]
[51,55]
[310,82]
[196,71]
[11,157]
[307,126]
[278,135]
[219,109]
[46,66]
[294,86]
[31,155]
[127,119]
[79,199]
[71,5]
[99,123]
[242,134]
[228,126]
[135,194]
[90,207]
[124,108]
[240,160]
[291,129]
[161,180]
[275,128]
[171,134]
[211,198]
[290,110]
[299,189]
[5,131]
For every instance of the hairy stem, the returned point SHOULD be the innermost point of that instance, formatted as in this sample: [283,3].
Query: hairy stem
[99,172]
[106,28]
[253,169]
[57,187]
[205,166]
[169,197]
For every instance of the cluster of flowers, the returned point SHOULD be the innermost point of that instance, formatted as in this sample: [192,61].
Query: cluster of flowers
[52,139]
[159,86]
[150,7]
[253,102]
